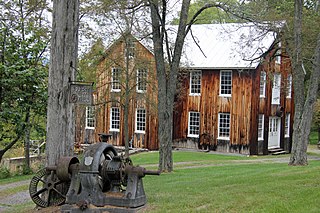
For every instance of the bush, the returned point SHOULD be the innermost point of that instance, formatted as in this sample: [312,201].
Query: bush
[25,170]
[4,173]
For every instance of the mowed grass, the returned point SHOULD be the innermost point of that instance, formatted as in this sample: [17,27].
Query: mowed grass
[206,182]
[217,183]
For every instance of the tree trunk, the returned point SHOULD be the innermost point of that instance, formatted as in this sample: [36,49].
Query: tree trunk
[303,107]
[126,102]
[9,146]
[166,81]
[63,61]
[27,139]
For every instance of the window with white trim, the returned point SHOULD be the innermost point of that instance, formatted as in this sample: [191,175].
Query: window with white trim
[115,119]
[276,88]
[90,117]
[141,80]
[193,124]
[140,120]
[287,126]
[225,83]
[260,126]
[278,54]
[263,78]
[224,126]
[195,82]
[115,80]
[289,85]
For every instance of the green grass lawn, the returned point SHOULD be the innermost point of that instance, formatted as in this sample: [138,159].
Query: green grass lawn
[217,183]
[206,182]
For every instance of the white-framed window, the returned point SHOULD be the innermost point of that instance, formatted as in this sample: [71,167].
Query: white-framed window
[224,126]
[115,119]
[276,88]
[193,124]
[260,126]
[195,82]
[90,117]
[140,120]
[289,86]
[225,83]
[115,80]
[263,80]
[278,54]
[141,80]
[287,126]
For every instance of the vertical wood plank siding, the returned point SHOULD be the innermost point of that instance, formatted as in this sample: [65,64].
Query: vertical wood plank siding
[244,107]
[106,99]
[209,104]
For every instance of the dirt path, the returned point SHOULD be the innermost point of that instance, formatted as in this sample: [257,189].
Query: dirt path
[13,199]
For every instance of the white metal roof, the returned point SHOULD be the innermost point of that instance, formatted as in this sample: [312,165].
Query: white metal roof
[223,46]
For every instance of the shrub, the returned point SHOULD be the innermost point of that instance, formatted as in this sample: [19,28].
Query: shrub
[25,170]
[4,173]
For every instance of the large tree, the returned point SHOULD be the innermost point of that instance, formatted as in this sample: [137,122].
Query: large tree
[305,96]
[23,73]
[167,65]
[63,63]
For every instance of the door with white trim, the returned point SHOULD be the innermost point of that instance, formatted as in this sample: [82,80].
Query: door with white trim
[274,132]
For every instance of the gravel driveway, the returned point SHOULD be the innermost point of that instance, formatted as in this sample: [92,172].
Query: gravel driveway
[14,199]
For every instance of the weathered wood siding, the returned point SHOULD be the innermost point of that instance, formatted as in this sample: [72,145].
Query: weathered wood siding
[209,104]
[268,109]
[82,135]
[244,107]
[106,99]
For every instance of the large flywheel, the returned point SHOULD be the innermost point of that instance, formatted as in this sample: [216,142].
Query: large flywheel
[49,186]
[46,189]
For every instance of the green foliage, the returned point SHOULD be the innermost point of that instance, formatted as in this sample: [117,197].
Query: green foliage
[4,173]
[25,170]
[313,138]
[211,15]
[88,63]
[23,67]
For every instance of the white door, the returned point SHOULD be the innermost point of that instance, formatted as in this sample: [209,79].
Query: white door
[274,132]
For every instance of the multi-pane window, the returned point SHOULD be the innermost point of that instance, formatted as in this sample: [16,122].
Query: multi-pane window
[194,124]
[263,84]
[140,120]
[278,54]
[195,82]
[115,119]
[141,80]
[287,125]
[115,80]
[224,126]
[225,83]
[260,126]
[276,88]
[90,118]
[289,86]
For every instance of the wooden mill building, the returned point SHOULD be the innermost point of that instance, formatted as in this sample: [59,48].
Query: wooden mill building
[126,80]
[238,95]
[234,94]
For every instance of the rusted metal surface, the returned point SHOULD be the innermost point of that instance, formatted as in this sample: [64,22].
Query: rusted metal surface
[103,178]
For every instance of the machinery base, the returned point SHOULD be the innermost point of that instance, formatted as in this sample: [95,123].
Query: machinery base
[67,208]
